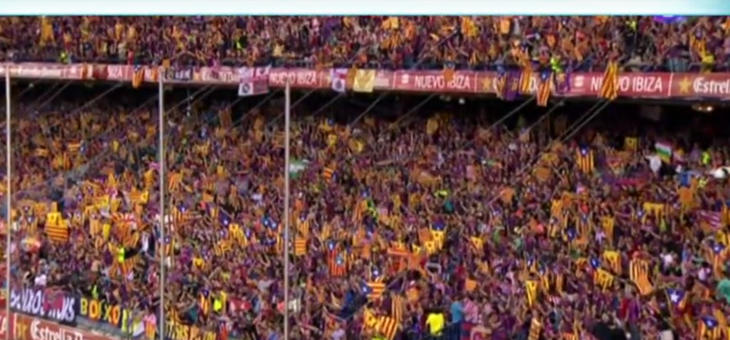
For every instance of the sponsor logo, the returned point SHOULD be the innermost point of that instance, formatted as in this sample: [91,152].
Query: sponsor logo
[702,85]
[23,327]
[459,82]
[633,84]
[304,78]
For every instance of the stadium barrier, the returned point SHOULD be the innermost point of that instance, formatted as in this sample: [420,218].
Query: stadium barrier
[24,327]
[656,85]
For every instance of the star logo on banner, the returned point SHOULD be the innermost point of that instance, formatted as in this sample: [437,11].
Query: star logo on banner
[486,82]
[684,85]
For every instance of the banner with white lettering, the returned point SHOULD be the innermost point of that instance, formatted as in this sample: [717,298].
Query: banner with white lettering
[102,311]
[650,85]
[179,74]
[53,305]
[23,327]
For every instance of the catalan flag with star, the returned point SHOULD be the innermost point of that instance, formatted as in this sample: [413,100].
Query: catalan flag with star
[336,260]
[544,88]
[584,159]
[677,297]
[375,289]
[708,328]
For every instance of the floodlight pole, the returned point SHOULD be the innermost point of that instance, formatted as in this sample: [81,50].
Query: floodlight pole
[8,198]
[161,171]
[287,97]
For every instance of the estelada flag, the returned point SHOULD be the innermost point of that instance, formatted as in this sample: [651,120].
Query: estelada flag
[374,289]
[584,158]
[544,89]
[137,77]
[337,263]
[525,78]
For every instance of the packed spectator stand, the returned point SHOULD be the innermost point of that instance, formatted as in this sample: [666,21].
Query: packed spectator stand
[675,44]
[438,224]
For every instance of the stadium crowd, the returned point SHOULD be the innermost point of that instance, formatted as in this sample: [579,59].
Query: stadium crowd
[440,224]
[674,44]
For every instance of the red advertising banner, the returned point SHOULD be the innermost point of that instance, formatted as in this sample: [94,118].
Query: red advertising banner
[655,85]
[714,85]
[637,85]
[23,327]
[435,81]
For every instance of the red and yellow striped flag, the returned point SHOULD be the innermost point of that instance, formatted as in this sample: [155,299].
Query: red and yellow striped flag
[531,291]
[584,158]
[56,227]
[300,247]
[639,274]
[57,232]
[602,278]
[397,308]
[327,173]
[610,85]
[388,327]
[544,90]
[376,289]
[525,78]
